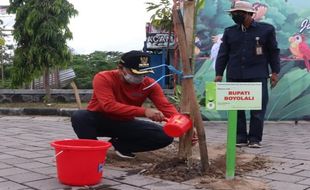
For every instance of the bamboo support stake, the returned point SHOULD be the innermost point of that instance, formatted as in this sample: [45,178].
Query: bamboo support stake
[76,94]
[185,146]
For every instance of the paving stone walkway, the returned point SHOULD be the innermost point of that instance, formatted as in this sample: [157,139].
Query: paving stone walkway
[26,157]
[286,144]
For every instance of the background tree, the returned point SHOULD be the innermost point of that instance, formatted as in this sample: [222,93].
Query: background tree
[86,66]
[41,31]
[162,18]
[5,57]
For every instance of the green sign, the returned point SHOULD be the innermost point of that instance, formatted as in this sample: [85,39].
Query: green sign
[234,96]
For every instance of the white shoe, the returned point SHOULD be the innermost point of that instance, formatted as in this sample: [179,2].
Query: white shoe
[128,155]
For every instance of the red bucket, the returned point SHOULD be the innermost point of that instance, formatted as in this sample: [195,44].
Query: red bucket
[177,125]
[80,161]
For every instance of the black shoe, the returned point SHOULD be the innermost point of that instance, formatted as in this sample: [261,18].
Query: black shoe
[122,154]
[241,144]
[255,145]
[128,155]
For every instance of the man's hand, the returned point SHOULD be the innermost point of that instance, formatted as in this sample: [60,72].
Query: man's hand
[154,114]
[218,79]
[273,80]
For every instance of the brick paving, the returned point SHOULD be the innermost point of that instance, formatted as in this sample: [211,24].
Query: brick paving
[26,157]
[288,147]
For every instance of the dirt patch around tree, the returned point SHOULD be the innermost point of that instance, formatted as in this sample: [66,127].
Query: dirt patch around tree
[164,164]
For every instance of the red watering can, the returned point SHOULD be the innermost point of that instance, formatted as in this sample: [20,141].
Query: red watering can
[177,125]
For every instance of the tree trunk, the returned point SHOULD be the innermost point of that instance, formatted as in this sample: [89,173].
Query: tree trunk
[2,73]
[47,87]
[189,96]
[57,78]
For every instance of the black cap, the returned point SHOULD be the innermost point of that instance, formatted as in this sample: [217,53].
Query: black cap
[137,61]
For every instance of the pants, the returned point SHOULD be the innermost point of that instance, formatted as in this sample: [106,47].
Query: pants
[256,116]
[126,136]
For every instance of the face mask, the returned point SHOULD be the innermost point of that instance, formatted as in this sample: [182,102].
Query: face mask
[238,18]
[133,79]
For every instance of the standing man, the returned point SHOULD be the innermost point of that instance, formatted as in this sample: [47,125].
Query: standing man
[117,100]
[248,49]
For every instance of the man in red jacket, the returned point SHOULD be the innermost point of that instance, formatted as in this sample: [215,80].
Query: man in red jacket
[116,103]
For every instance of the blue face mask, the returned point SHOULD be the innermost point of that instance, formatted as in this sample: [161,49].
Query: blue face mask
[133,79]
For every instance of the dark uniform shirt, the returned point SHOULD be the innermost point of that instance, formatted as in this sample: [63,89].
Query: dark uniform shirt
[239,56]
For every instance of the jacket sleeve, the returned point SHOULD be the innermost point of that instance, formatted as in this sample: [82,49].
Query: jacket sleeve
[103,89]
[222,57]
[160,101]
[273,51]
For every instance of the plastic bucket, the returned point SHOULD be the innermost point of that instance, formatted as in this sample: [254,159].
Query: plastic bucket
[79,161]
[177,125]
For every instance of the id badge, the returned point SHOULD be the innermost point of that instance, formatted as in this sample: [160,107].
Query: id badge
[259,50]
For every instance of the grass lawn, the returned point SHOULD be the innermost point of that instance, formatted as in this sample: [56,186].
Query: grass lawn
[41,105]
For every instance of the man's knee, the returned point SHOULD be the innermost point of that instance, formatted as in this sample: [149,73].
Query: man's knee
[166,141]
[75,115]
[79,118]
[169,140]
[83,126]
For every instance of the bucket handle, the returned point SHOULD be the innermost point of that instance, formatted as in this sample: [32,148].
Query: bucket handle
[59,153]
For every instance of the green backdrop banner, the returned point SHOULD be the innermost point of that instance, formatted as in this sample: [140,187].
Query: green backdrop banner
[290,99]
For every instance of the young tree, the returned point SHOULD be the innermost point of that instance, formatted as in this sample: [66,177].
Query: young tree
[184,30]
[41,30]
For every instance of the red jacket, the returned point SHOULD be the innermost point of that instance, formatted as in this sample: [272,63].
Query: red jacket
[118,99]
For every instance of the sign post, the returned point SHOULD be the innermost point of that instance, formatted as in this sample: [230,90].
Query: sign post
[231,144]
[233,96]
